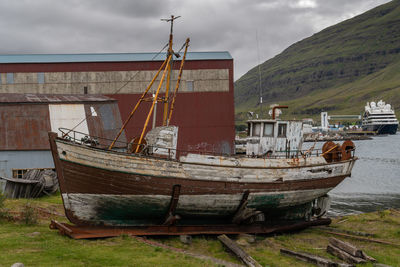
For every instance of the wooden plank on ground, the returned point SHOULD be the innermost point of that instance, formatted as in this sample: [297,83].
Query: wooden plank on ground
[246,258]
[345,246]
[343,255]
[317,260]
[365,239]
[350,249]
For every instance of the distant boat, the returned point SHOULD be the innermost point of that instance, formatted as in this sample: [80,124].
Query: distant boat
[380,118]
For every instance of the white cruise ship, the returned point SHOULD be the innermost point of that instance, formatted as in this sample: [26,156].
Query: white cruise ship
[380,118]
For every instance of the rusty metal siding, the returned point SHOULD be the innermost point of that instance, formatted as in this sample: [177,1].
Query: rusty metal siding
[25,118]
[205,120]
[110,66]
[24,127]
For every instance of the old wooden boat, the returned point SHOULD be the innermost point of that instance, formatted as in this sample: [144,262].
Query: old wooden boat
[152,183]
[106,187]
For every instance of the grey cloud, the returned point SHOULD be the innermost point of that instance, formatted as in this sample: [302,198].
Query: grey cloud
[72,26]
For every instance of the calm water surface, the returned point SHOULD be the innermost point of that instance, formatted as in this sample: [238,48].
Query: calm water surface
[375,181]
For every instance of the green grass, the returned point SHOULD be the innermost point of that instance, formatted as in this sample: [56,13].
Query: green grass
[37,245]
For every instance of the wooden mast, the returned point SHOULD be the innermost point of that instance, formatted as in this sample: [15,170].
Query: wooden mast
[178,81]
[167,66]
[153,104]
[170,52]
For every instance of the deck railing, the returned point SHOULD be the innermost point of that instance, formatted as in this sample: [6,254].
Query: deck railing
[145,149]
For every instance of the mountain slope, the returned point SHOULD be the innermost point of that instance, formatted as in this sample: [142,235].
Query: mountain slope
[337,69]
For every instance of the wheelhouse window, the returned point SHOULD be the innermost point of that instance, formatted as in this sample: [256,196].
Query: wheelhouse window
[268,129]
[282,130]
[256,129]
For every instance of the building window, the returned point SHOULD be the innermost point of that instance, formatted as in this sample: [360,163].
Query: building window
[189,85]
[256,129]
[10,78]
[18,173]
[268,129]
[282,130]
[85,90]
[40,77]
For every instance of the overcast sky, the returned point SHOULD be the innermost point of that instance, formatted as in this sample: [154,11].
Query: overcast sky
[126,26]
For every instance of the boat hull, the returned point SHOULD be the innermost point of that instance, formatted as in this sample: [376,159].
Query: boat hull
[381,128]
[109,188]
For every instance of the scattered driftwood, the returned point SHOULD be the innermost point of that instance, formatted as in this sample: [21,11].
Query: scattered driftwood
[191,254]
[350,249]
[246,258]
[343,255]
[33,184]
[347,247]
[320,261]
[364,239]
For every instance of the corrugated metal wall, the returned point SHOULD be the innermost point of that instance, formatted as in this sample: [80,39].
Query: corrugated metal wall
[24,127]
[205,120]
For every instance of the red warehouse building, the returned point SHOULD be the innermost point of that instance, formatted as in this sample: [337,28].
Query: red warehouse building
[204,109]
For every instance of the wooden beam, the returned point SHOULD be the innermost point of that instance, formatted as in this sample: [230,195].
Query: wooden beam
[365,239]
[306,257]
[343,255]
[350,249]
[347,247]
[239,252]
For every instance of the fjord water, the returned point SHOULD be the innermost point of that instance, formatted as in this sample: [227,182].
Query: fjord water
[375,180]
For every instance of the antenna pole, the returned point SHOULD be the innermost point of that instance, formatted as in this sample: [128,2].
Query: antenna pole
[259,73]
[170,53]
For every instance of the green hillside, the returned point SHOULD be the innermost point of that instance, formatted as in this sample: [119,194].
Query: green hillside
[337,70]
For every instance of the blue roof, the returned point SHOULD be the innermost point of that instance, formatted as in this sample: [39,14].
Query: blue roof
[107,57]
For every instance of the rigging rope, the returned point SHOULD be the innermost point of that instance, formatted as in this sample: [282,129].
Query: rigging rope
[116,92]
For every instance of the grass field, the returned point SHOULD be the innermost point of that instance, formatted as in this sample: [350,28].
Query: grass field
[37,245]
